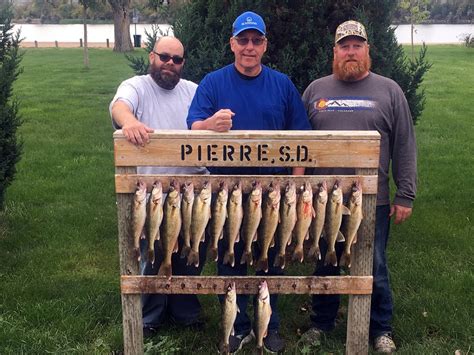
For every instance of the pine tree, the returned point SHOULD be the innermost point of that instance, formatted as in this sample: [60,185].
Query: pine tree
[10,57]
[300,39]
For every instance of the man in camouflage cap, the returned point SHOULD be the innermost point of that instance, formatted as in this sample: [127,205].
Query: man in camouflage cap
[354,98]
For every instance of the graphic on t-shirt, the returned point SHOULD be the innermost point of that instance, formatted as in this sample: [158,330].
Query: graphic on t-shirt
[345,103]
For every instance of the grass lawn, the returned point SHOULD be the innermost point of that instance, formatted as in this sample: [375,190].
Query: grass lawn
[59,280]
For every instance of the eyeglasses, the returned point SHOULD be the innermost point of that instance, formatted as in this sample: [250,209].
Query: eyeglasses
[243,41]
[166,57]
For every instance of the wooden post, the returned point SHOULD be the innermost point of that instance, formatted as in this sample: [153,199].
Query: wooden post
[56,43]
[131,304]
[80,42]
[108,44]
[358,318]
[36,44]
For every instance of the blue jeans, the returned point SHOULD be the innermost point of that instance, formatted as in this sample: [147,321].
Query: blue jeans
[180,309]
[242,324]
[381,309]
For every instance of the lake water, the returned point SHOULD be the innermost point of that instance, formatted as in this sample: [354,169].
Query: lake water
[100,33]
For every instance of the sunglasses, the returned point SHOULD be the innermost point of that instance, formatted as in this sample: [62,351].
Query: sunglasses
[243,41]
[166,57]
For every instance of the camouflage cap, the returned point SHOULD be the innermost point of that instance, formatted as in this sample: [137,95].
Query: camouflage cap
[350,28]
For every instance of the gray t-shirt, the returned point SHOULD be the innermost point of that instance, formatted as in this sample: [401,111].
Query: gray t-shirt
[373,103]
[158,108]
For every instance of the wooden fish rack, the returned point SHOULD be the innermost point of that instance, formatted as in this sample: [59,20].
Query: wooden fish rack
[327,149]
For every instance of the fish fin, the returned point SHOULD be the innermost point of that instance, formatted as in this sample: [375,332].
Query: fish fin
[355,239]
[262,265]
[298,255]
[221,236]
[185,251]
[290,239]
[136,251]
[313,212]
[340,237]
[247,257]
[193,258]
[203,237]
[254,237]
[213,254]
[272,244]
[279,261]
[306,237]
[157,236]
[345,259]
[345,210]
[237,239]
[175,248]
[165,270]
[229,258]
[331,258]
[151,256]
[238,311]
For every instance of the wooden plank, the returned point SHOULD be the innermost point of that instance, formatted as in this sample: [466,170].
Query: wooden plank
[131,304]
[219,149]
[358,319]
[359,285]
[127,183]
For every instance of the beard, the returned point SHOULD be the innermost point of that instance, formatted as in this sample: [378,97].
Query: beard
[351,70]
[166,80]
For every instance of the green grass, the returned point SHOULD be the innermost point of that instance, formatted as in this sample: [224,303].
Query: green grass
[59,280]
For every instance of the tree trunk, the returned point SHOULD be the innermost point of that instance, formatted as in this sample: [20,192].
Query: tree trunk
[86,50]
[122,40]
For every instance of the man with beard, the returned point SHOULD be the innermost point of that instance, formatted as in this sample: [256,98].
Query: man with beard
[354,98]
[160,100]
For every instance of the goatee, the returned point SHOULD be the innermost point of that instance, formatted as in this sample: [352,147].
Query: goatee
[166,80]
[351,70]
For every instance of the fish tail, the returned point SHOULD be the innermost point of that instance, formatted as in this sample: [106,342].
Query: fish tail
[279,261]
[331,258]
[262,265]
[193,258]
[224,348]
[229,258]
[247,257]
[314,253]
[165,270]
[345,259]
[136,252]
[298,254]
[185,251]
[213,254]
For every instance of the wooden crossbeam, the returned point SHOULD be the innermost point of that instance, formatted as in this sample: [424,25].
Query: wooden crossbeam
[126,183]
[350,285]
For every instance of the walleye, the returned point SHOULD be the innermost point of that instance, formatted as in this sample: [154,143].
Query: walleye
[319,204]
[270,219]
[252,217]
[304,213]
[263,311]
[155,217]
[287,223]
[138,216]
[235,214]
[353,223]
[187,202]
[229,313]
[334,211]
[200,218]
[219,215]
[170,228]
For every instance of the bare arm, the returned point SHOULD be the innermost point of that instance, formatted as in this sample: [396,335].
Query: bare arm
[221,121]
[135,131]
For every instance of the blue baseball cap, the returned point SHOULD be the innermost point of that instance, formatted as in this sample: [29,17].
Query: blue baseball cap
[248,21]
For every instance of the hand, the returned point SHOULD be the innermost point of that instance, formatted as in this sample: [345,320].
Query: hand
[401,213]
[221,121]
[136,132]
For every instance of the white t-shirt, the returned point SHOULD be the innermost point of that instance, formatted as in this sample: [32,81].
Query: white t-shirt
[158,108]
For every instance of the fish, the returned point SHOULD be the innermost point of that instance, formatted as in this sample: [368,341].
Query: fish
[263,312]
[170,228]
[305,213]
[317,224]
[334,211]
[138,216]
[235,214]
[200,219]
[187,202]
[219,216]
[287,223]
[155,217]
[229,314]
[353,223]
[252,217]
[269,224]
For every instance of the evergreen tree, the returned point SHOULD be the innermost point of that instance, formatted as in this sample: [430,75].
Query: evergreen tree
[300,39]
[10,57]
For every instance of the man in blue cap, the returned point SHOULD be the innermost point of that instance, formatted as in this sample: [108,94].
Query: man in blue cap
[247,95]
